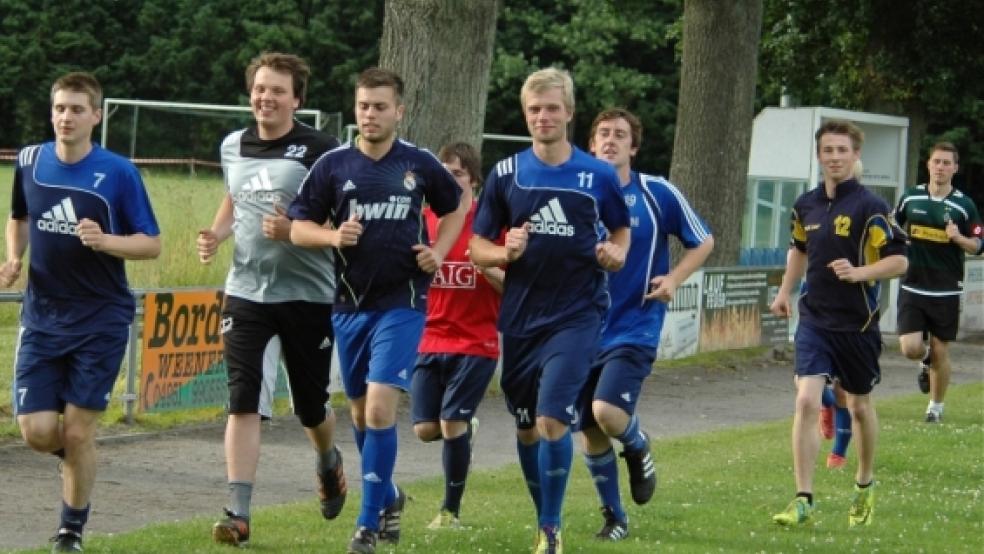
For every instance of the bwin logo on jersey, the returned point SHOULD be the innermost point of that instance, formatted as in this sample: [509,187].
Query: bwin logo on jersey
[259,188]
[550,220]
[60,218]
[398,207]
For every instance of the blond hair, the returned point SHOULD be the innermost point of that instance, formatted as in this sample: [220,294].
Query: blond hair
[545,79]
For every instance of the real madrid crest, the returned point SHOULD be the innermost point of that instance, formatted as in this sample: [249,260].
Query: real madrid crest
[630,200]
[409,180]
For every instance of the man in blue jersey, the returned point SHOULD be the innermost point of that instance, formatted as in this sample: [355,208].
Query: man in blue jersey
[83,210]
[630,334]
[843,240]
[277,300]
[365,199]
[555,201]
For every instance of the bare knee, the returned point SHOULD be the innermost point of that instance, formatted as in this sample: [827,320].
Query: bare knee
[912,346]
[40,432]
[427,431]
[611,419]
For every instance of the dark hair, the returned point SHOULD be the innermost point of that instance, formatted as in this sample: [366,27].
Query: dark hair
[375,77]
[283,63]
[615,113]
[467,156]
[78,81]
[841,127]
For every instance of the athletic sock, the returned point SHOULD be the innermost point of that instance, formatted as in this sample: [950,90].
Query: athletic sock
[240,493]
[378,461]
[327,459]
[74,519]
[360,437]
[455,457]
[935,407]
[528,460]
[842,438]
[807,495]
[555,467]
[604,472]
[827,399]
[632,438]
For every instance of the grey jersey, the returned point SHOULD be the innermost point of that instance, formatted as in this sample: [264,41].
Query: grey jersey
[260,175]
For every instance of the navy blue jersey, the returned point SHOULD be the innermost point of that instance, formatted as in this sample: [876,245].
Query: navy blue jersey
[854,225]
[380,272]
[72,289]
[657,210]
[568,208]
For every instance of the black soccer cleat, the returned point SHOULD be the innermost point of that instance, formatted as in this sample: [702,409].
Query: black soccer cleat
[642,473]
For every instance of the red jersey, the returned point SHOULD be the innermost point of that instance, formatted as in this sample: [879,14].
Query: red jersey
[462,307]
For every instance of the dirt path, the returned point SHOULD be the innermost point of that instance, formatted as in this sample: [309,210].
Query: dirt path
[183,470]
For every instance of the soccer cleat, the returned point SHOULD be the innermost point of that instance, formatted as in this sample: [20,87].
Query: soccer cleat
[363,542]
[827,422]
[923,379]
[232,530]
[332,488]
[863,506]
[835,461]
[66,541]
[389,519]
[548,541]
[444,520]
[642,473]
[933,417]
[798,511]
[613,530]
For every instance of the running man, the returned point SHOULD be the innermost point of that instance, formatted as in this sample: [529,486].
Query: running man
[640,292]
[942,224]
[83,210]
[552,199]
[277,301]
[844,242]
[365,200]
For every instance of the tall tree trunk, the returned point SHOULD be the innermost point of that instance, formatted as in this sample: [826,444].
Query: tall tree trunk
[443,51]
[714,114]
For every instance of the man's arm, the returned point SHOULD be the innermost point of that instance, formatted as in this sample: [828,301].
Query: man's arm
[795,269]
[209,239]
[970,245]
[429,258]
[17,240]
[495,276]
[663,287]
[138,246]
[885,268]
[309,234]
[611,253]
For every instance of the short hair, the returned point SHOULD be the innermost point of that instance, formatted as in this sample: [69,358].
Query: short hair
[945,147]
[283,63]
[615,113]
[376,77]
[467,156]
[79,81]
[841,127]
[549,78]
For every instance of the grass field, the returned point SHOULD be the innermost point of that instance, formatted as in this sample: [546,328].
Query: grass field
[717,494]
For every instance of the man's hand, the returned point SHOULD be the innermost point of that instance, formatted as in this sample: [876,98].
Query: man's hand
[610,255]
[781,306]
[91,234]
[427,259]
[845,271]
[348,232]
[208,245]
[9,272]
[661,288]
[952,231]
[516,241]
[276,226]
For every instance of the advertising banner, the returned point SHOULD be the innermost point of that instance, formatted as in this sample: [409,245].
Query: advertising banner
[735,309]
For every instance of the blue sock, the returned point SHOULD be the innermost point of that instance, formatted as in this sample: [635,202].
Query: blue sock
[632,438]
[74,519]
[455,457]
[528,460]
[378,461]
[842,422]
[360,437]
[827,399]
[604,472]
[555,467]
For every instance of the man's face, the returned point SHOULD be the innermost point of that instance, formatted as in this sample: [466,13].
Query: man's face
[377,113]
[273,101]
[941,167]
[612,142]
[837,156]
[547,116]
[73,117]
[465,179]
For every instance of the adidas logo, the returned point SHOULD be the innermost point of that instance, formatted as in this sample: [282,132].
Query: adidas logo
[403,374]
[372,477]
[550,220]
[627,396]
[259,188]
[349,185]
[60,218]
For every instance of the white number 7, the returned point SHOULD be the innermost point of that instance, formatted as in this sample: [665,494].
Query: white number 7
[22,392]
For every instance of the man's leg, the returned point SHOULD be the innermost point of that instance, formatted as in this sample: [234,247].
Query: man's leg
[866,426]
[806,446]
[528,449]
[939,377]
[455,459]
[79,473]
[603,467]
[556,455]
[378,452]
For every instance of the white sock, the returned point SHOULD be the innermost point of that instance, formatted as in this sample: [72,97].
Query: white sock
[935,407]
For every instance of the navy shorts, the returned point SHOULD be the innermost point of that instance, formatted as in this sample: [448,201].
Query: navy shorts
[377,347]
[449,386]
[849,357]
[54,370]
[940,315]
[543,374]
[616,377]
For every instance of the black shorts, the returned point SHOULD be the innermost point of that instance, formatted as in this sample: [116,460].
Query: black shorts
[256,334]
[940,315]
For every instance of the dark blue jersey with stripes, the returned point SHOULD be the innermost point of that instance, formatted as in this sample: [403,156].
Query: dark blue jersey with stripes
[72,289]
[854,225]
[568,207]
[380,272]
[657,210]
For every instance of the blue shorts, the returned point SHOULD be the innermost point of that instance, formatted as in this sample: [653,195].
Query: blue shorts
[54,370]
[449,386]
[616,377]
[543,374]
[849,357]
[377,347]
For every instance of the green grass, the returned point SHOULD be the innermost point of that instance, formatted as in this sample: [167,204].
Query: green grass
[717,493]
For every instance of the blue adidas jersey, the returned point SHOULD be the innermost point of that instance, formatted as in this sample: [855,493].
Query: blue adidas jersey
[380,272]
[72,289]
[657,210]
[568,208]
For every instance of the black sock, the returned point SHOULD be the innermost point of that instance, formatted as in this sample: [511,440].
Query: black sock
[807,495]
[60,453]
[74,519]
[860,486]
